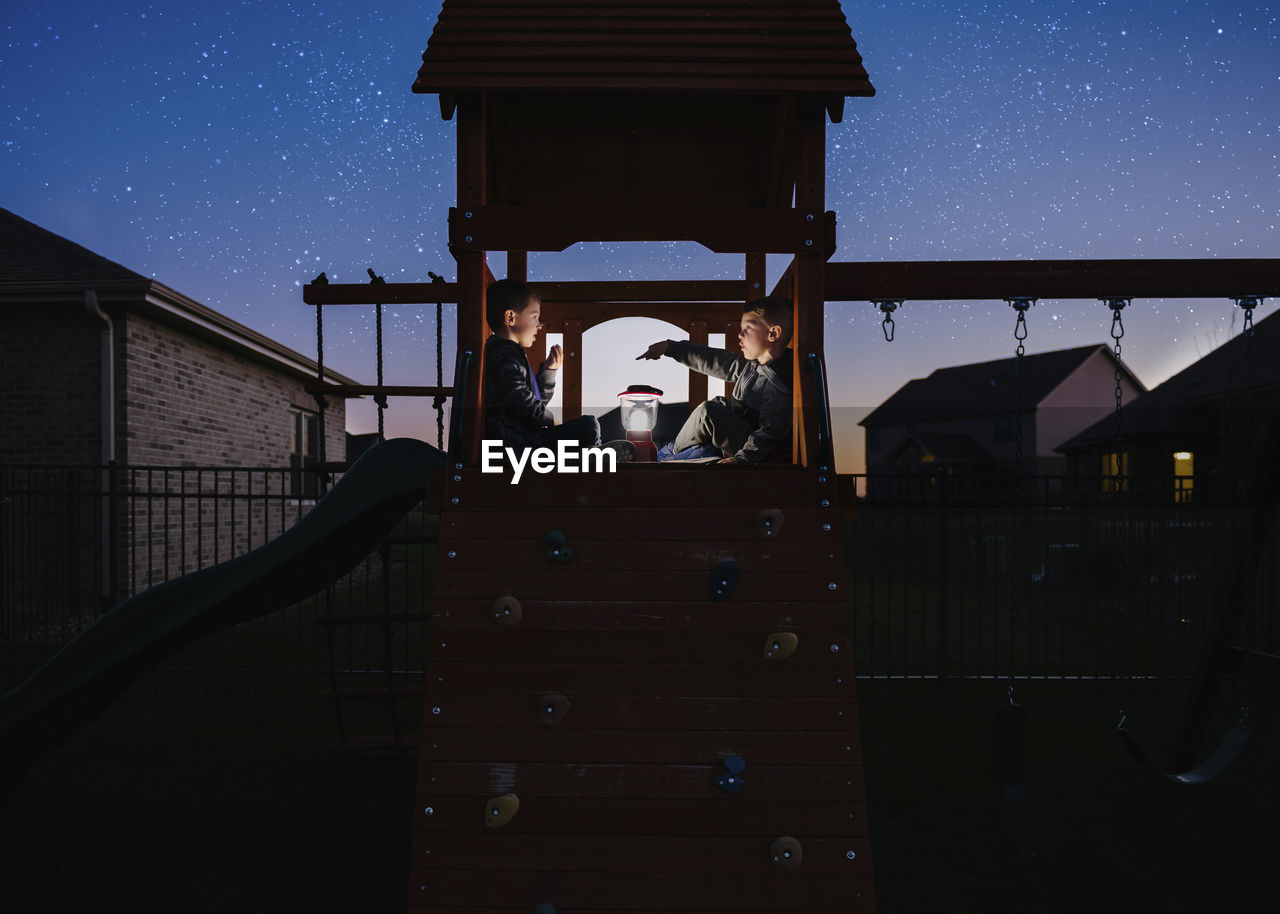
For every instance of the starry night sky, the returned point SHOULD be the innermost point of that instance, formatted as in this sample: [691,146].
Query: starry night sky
[233,149]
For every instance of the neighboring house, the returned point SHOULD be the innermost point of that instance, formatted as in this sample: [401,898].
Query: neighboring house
[1204,424]
[964,420]
[103,366]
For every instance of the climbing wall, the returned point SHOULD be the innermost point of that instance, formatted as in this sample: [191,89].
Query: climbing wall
[640,697]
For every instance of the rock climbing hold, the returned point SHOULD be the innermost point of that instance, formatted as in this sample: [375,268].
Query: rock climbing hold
[730,783]
[552,709]
[506,610]
[499,811]
[733,781]
[722,579]
[780,645]
[786,853]
[557,551]
[769,522]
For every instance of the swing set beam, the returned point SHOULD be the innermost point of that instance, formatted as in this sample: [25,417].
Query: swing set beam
[953,280]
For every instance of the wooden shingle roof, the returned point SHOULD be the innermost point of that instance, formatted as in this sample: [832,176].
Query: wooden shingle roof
[711,46]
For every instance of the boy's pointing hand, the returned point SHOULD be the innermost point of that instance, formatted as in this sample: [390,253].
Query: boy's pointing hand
[656,351]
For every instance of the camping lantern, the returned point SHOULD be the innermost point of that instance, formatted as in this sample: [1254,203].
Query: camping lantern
[638,405]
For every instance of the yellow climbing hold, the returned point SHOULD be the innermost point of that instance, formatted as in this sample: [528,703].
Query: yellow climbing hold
[780,645]
[499,811]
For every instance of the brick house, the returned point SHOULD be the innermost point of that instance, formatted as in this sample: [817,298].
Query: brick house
[103,366]
[963,420]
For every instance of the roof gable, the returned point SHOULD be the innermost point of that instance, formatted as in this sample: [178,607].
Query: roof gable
[983,388]
[29,253]
[1224,374]
[711,46]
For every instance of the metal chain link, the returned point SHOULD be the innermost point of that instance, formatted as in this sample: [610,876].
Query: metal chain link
[322,402]
[380,397]
[1117,333]
[1248,303]
[1021,306]
[887,306]
[439,400]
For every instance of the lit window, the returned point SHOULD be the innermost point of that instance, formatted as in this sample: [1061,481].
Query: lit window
[1183,476]
[1115,464]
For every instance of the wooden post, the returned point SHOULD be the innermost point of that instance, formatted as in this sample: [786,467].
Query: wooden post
[698,332]
[809,297]
[571,379]
[518,268]
[472,328]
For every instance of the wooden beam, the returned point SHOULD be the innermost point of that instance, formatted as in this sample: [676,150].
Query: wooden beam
[698,332]
[472,271]
[391,293]
[809,264]
[554,228]
[571,380]
[390,390]
[682,314]
[998,279]
[642,290]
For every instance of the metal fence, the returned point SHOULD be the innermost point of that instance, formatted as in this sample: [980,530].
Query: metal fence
[77,540]
[1071,579]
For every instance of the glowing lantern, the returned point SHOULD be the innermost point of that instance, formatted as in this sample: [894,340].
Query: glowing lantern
[639,407]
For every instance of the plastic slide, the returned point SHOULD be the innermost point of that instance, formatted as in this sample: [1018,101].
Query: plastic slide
[94,669]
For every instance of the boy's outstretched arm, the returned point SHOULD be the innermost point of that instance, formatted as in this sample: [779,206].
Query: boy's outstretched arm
[718,363]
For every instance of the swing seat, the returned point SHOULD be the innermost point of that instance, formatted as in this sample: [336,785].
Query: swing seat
[1228,751]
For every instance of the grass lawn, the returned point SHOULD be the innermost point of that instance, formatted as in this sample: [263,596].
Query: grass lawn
[203,804]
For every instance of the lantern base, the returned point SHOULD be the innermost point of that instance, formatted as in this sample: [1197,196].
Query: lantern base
[646,452]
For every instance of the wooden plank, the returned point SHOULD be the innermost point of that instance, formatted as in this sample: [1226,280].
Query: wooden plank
[564,582]
[632,779]
[634,487]
[652,290]
[732,523]
[591,615]
[391,390]
[391,293]
[452,707]
[681,314]
[607,816]
[641,892]
[698,333]
[504,644]
[649,679]
[627,854]
[547,228]
[570,380]
[558,744]
[531,552]
[958,280]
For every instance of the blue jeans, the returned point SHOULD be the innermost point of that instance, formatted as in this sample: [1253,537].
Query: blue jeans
[690,453]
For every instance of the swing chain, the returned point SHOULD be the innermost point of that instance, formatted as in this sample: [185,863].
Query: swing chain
[322,403]
[380,397]
[438,402]
[1117,333]
[1021,306]
[1117,305]
[887,306]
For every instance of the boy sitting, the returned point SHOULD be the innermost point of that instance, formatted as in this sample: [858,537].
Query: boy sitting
[755,425]
[515,400]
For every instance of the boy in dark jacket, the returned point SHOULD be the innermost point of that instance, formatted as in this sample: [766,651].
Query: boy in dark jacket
[755,424]
[515,400]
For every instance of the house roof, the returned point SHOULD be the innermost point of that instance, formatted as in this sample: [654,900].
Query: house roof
[758,46]
[1179,404]
[37,265]
[946,448]
[984,388]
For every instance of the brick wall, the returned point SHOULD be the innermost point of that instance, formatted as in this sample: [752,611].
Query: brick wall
[185,401]
[49,377]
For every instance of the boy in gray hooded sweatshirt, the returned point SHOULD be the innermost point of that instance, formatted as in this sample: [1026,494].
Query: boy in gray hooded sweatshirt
[755,424]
